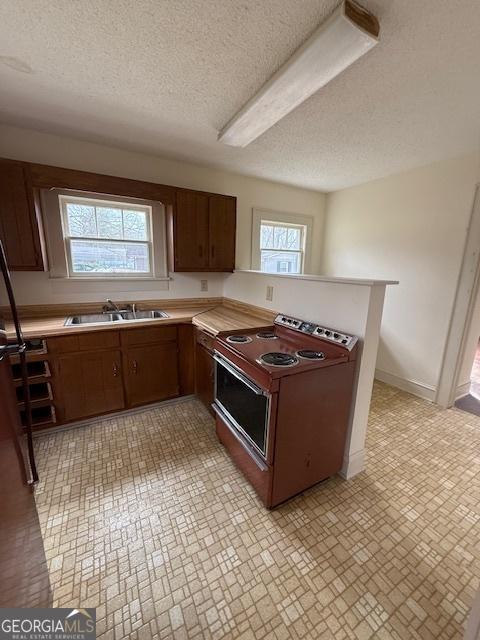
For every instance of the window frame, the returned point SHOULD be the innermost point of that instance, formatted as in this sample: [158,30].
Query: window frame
[301,250]
[64,200]
[281,219]
[57,255]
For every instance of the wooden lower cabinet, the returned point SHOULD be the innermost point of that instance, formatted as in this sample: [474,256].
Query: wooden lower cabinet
[99,372]
[151,373]
[204,375]
[88,384]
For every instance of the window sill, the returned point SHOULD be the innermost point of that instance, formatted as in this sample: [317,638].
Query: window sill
[107,279]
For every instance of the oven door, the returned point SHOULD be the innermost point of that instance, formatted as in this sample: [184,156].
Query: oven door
[242,403]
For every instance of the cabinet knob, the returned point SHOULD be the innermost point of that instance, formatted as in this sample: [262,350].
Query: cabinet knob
[115,369]
[134,366]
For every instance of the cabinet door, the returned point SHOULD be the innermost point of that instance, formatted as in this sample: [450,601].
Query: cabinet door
[20,230]
[186,359]
[191,231]
[204,373]
[88,384]
[151,373]
[222,224]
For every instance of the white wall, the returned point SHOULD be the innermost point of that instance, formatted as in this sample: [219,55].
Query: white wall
[353,307]
[410,227]
[23,144]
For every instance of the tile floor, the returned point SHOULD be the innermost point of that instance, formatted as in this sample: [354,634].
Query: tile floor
[146,518]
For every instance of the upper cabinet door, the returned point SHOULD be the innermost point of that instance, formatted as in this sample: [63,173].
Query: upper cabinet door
[222,224]
[20,222]
[191,231]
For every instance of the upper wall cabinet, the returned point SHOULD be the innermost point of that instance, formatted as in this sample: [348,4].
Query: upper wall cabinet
[222,218]
[201,232]
[20,219]
[201,226]
[190,232]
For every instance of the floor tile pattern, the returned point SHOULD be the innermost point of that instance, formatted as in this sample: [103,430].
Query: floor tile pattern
[146,518]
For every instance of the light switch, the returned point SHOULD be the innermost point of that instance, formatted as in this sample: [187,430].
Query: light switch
[269,296]
[203,285]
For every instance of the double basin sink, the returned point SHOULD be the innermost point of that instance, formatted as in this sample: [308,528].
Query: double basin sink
[120,316]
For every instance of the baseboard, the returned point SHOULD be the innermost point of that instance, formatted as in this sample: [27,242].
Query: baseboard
[90,422]
[414,387]
[353,464]
[462,390]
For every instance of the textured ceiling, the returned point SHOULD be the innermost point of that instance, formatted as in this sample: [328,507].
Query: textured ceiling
[163,76]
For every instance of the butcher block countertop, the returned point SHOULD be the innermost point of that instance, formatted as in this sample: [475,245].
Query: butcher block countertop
[226,318]
[213,315]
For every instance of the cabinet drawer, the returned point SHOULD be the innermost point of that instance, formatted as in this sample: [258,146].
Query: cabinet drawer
[150,334]
[205,339]
[259,478]
[84,342]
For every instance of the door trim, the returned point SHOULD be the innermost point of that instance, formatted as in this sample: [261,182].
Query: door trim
[463,306]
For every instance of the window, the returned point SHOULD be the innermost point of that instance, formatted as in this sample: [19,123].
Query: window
[106,238]
[281,241]
[281,247]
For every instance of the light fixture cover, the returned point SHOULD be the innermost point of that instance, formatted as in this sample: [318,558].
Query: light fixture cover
[343,38]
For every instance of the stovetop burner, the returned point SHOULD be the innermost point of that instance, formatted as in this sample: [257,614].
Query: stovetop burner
[238,339]
[310,354]
[267,335]
[277,359]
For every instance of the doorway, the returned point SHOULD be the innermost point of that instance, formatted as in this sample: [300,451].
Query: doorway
[471,400]
[464,331]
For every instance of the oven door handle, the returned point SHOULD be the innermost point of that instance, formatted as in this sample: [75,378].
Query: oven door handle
[235,372]
[225,419]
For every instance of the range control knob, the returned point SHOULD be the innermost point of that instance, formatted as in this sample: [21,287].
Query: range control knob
[336,335]
[344,341]
[327,332]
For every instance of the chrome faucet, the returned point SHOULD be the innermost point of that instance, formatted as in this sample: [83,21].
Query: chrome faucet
[112,306]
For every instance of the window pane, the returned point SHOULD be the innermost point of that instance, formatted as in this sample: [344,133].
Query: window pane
[266,236]
[135,225]
[281,261]
[294,238]
[90,256]
[277,237]
[109,222]
[81,220]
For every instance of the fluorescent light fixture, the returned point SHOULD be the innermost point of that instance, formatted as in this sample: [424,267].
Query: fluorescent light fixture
[342,39]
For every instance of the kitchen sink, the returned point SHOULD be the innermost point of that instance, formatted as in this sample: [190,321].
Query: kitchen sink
[122,316]
[93,318]
[143,315]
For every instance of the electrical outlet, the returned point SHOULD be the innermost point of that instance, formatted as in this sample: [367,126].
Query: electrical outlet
[269,296]
[203,285]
